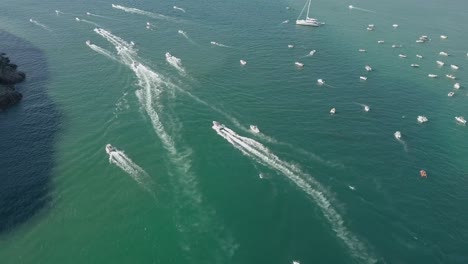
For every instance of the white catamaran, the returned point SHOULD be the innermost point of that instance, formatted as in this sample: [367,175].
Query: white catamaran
[308,21]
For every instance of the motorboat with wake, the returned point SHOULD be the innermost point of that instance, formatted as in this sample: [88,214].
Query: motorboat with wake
[443,53]
[110,149]
[397,135]
[419,56]
[450,76]
[363,78]
[456,86]
[460,119]
[333,111]
[88,42]
[443,37]
[366,108]
[320,82]
[440,63]
[422,119]
[430,75]
[299,64]
[368,68]
[243,62]
[254,129]
[450,94]
[414,65]
[217,125]
[454,67]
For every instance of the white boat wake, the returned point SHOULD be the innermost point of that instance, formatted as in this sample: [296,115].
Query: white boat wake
[142,12]
[40,25]
[102,51]
[202,222]
[86,21]
[261,154]
[183,33]
[179,8]
[219,44]
[175,62]
[285,22]
[121,160]
[360,9]
[95,15]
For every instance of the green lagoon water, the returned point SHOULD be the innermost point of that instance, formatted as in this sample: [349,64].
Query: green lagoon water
[310,187]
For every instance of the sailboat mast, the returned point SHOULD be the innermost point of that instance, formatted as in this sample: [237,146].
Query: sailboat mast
[308,8]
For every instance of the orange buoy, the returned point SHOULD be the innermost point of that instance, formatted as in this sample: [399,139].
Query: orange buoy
[423,173]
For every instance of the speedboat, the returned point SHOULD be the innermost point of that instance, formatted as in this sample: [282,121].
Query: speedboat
[397,135]
[422,119]
[254,129]
[424,38]
[362,50]
[243,62]
[402,55]
[450,94]
[460,119]
[419,41]
[135,63]
[168,55]
[432,75]
[148,24]
[87,13]
[77,19]
[440,63]
[453,66]
[395,25]
[366,108]
[396,46]
[88,42]
[299,64]
[443,36]
[419,56]
[456,86]
[414,65]
[371,25]
[320,82]
[332,111]
[31,20]
[214,43]
[450,76]
[217,125]
[443,53]
[180,31]
[380,42]
[312,52]
[370,28]
[290,46]
[364,78]
[368,68]
[109,148]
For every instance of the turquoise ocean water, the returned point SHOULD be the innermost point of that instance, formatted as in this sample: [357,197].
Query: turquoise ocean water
[311,187]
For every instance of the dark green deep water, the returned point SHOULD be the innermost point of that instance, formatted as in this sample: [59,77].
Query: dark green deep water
[311,187]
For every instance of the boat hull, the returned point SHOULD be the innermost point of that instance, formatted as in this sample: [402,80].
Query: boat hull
[302,22]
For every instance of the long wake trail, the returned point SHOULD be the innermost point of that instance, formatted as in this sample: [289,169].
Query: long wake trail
[189,200]
[183,33]
[122,161]
[95,15]
[303,181]
[40,25]
[143,12]
[102,51]
[86,21]
[360,9]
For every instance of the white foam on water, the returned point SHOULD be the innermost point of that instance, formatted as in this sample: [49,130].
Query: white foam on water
[142,12]
[306,183]
[189,199]
[219,44]
[183,33]
[285,22]
[176,63]
[122,161]
[40,25]
[179,8]
[102,51]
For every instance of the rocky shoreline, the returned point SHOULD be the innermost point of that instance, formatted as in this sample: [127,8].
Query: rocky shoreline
[9,76]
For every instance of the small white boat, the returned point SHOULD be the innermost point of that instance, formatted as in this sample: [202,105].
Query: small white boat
[380,41]
[320,82]
[332,111]
[370,28]
[312,52]
[290,46]
[432,75]
[180,31]
[460,119]
[414,65]
[109,149]
[450,94]
[148,24]
[214,43]
[419,41]
[363,78]
[295,262]
[443,36]
[440,63]
[396,46]
[362,50]
[88,42]
[87,13]
[395,25]
[366,108]
[456,86]
[299,64]
[217,125]
[77,19]
[453,66]
[443,53]
[450,76]
[371,25]
[243,62]
[424,38]
[254,129]
[419,56]
[368,68]
[397,135]
[350,7]
[402,55]
[422,119]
